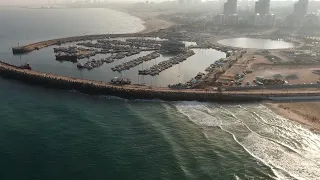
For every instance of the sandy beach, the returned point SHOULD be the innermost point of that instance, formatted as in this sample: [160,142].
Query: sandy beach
[306,113]
[151,19]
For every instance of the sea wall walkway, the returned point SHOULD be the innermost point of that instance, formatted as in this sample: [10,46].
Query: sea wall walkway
[140,92]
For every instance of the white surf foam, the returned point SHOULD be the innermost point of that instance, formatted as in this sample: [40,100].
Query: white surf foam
[292,151]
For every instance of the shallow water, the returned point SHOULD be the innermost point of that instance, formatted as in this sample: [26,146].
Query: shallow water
[290,150]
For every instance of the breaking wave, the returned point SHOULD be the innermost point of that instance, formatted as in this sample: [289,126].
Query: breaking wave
[290,150]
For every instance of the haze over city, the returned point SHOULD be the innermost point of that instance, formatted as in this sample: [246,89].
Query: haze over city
[25,2]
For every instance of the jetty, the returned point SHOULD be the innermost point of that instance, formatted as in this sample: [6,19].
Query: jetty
[141,92]
[59,41]
[156,69]
[135,62]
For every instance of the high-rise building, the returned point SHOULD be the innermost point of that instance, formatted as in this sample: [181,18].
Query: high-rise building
[311,20]
[219,19]
[262,7]
[232,19]
[269,20]
[255,20]
[300,8]
[230,7]
[263,20]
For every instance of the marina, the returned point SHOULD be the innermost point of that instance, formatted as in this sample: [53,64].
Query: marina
[130,64]
[102,57]
[156,69]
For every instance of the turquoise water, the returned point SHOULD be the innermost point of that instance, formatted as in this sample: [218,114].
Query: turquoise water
[51,134]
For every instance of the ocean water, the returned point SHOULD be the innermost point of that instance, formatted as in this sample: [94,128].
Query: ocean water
[52,134]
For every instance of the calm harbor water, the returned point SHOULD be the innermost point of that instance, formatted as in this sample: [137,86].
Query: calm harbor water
[256,43]
[93,21]
[51,134]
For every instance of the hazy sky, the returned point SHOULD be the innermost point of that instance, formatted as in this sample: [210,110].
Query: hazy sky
[22,2]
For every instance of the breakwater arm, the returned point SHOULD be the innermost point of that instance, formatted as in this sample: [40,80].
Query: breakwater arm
[102,88]
[47,43]
[142,92]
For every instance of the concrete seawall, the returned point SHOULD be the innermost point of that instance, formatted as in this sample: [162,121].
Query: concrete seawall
[142,92]
[129,92]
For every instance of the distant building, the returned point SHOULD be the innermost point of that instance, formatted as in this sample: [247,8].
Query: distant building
[230,7]
[219,19]
[263,20]
[255,20]
[311,20]
[279,22]
[262,7]
[300,8]
[232,19]
[269,20]
[296,19]
[291,21]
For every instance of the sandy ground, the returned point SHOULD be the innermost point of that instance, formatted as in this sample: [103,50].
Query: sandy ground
[263,67]
[304,75]
[306,113]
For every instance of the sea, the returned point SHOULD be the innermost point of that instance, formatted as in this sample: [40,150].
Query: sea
[53,134]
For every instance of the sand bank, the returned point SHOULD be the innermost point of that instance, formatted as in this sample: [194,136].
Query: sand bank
[306,113]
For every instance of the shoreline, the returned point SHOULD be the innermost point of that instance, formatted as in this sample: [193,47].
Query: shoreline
[151,21]
[305,113]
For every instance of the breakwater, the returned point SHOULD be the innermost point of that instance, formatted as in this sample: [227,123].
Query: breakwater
[128,91]
[143,92]
[47,43]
